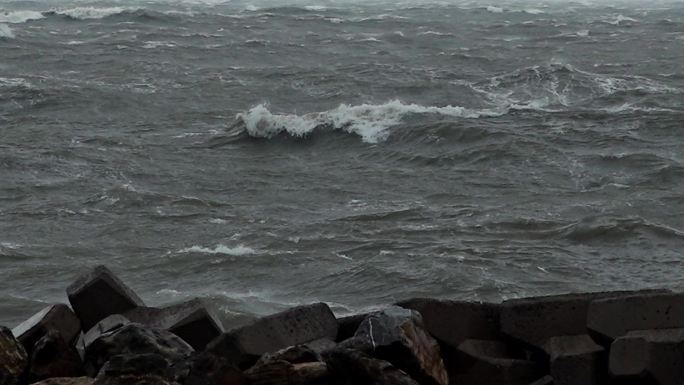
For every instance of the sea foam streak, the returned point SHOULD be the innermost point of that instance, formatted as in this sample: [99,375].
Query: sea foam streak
[220,249]
[16,17]
[371,122]
[6,31]
[84,13]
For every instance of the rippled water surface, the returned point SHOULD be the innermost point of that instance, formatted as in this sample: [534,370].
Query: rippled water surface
[271,154]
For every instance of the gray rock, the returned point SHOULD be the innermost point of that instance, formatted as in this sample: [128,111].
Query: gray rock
[135,339]
[452,322]
[57,317]
[397,335]
[66,381]
[483,362]
[649,357]
[546,380]
[577,360]
[352,367]
[534,320]
[611,318]
[52,356]
[13,358]
[243,346]
[348,325]
[208,369]
[97,294]
[112,322]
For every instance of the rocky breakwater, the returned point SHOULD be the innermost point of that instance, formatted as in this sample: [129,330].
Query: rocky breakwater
[108,336]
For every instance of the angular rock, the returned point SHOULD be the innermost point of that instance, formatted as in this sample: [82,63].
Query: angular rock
[108,324]
[483,362]
[649,357]
[397,335]
[611,318]
[452,322]
[534,320]
[66,381]
[135,364]
[546,380]
[195,321]
[13,358]
[208,369]
[348,325]
[280,372]
[352,367]
[135,339]
[243,346]
[98,294]
[577,360]
[57,317]
[52,356]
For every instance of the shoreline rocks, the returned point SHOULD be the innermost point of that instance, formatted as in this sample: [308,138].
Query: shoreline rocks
[606,338]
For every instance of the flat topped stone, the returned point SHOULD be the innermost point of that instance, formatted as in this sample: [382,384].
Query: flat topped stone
[649,356]
[534,320]
[614,317]
[97,294]
[302,324]
[483,362]
[452,322]
[57,317]
[576,360]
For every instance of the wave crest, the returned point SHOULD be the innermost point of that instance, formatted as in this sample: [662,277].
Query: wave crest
[18,17]
[85,13]
[6,32]
[370,121]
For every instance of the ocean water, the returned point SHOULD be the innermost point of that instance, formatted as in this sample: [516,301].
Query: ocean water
[272,153]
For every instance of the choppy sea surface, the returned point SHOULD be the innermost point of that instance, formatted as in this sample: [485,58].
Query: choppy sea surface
[267,154]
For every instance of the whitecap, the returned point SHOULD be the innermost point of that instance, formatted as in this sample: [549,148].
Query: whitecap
[6,32]
[16,17]
[370,121]
[533,11]
[315,7]
[84,13]
[220,249]
[494,9]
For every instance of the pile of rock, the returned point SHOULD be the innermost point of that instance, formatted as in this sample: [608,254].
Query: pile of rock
[111,338]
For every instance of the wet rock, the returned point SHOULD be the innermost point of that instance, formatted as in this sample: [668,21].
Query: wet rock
[208,369]
[397,335]
[66,381]
[98,294]
[577,360]
[352,367]
[348,325]
[134,380]
[452,322]
[135,339]
[135,364]
[13,358]
[534,320]
[112,322]
[52,356]
[280,372]
[649,357]
[611,318]
[243,346]
[546,380]
[195,321]
[483,362]
[57,317]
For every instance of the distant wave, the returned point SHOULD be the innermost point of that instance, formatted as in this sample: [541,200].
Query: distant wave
[371,122]
[6,32]
[220,249]
[85,13]
[16,17]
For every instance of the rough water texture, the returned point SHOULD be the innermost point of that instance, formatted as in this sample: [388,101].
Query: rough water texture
[271,154]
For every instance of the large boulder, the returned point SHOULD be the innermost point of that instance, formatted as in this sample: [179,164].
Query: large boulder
[243,346]
[52,356]
[534,320]
[397,335]
[611,318]
[347,325]
[487,362]
[66,381]
[13,358]
[452,322]
[135,339]
[195,321]
[57,317]
[577,360]
[352,367]
[282,372]
[649,357]
[106,325]
[97,294]
[207,369]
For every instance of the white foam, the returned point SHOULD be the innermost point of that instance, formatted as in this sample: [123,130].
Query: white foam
[220,249]
[370,121]
[85,13]
[494,9]
[6,32]
[534,11]
[16,17]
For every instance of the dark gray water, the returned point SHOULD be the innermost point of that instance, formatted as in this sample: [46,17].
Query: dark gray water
[266,155]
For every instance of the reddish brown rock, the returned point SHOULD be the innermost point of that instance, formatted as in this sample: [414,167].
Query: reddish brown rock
[280,372]
[13,358]
[57,317]
[243,346]
[97,294]
[577,360]
[611,318]
[452,322]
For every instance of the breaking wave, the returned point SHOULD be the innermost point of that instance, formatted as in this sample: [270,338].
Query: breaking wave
[86,13]
[221,249]
[17,17]
[6,32]
[371,122]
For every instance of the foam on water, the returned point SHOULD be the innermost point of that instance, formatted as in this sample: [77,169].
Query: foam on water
[370,121]
[17,17]
[85,13]
[220,249]
[6,31]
